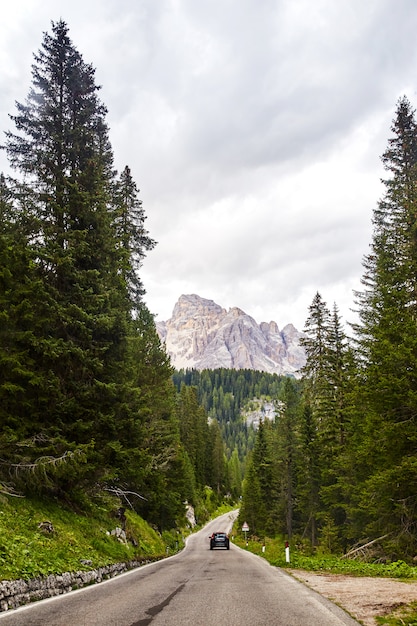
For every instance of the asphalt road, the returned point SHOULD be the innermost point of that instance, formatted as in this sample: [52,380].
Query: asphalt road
[198,587]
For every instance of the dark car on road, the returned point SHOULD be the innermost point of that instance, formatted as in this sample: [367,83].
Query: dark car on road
[219,540]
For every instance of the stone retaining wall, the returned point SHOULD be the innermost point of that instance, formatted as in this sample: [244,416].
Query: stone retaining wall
[15,593]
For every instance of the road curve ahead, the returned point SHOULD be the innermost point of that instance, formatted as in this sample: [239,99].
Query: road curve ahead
[198,587]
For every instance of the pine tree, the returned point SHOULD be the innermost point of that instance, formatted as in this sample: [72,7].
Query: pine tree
[217,466]
[19,287]
[252,508]
[133,238]
[73,333]
[235,473]
[327,377]
[316,346]
[194,432]
[388,343]
[287,445]
[308,474]
[261,485]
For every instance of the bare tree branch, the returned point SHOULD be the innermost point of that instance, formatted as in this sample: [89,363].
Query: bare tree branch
[122,493]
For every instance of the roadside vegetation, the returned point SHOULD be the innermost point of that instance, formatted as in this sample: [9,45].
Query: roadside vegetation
[41,537]
[403,617]
[273,550]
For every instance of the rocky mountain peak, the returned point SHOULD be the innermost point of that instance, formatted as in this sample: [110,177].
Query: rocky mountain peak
[203,335]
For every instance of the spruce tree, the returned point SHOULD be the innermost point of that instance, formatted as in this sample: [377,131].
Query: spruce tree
[308,475]
[286,431]
[327,375]
[133,238]
[217,466]
[316,346]
[387,341]
[252,509]
[19,288]
[74,331]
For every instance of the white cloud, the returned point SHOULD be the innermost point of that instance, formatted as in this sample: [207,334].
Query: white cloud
[253,129]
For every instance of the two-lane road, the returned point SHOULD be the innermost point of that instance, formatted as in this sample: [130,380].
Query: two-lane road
[198,587]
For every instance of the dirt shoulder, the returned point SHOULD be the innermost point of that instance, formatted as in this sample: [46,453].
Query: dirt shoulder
[364,598]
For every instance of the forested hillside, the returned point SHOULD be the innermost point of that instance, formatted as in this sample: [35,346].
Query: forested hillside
[338,467]
[224,394]
[87,403]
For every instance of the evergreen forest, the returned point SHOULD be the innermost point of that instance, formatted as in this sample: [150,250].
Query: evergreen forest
[338,467]
[226,396]
[89,401]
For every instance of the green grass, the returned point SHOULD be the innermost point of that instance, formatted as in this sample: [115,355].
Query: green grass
[406,616]
[274,553]
[27,552]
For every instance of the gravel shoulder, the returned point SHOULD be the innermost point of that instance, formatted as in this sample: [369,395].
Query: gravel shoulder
[363,597]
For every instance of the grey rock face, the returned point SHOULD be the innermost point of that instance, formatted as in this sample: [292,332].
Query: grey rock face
[203,335]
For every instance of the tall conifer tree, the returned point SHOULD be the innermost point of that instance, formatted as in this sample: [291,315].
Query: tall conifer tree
[326,376]
[286,450]
[388,342]
[81,259]
[134,240]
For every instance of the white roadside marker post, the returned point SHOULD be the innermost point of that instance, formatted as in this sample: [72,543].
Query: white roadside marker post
[245,529]
[287,552]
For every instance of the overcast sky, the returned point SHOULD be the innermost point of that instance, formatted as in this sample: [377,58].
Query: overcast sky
[253,128]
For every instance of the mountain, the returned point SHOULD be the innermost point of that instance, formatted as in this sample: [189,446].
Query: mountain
[203,335]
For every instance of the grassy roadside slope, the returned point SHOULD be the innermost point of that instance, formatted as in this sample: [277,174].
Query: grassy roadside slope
[28,551]
[80,540]
[273,550]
